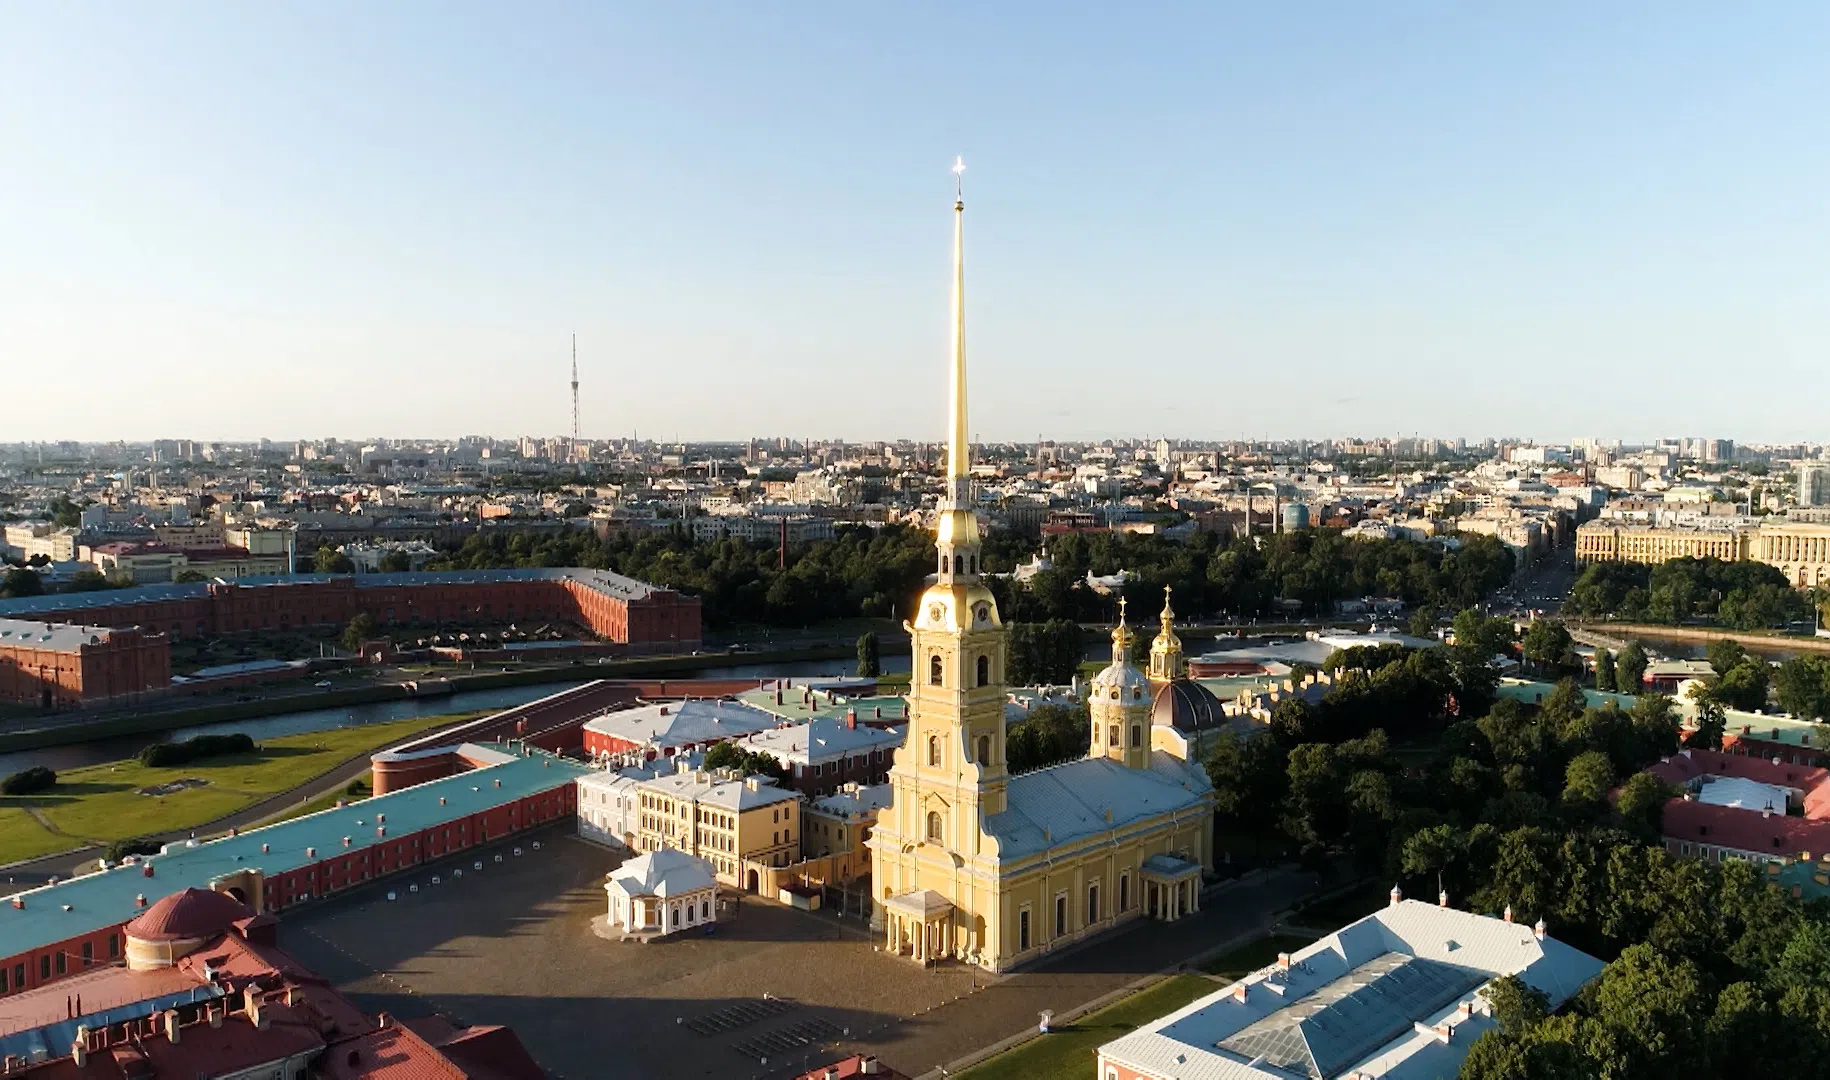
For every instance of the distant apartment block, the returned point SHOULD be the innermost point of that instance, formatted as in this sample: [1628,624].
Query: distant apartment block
[1800,550]
[1611,541]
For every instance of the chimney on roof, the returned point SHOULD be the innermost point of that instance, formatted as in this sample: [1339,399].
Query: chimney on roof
[1537,930]
[851,718]
[1766,811]
[1283,961]
[1507,915]
[172,1026]
[1240,990]
[1442,898]
[1397,895]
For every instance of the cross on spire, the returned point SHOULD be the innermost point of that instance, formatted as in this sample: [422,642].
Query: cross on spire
[959,187]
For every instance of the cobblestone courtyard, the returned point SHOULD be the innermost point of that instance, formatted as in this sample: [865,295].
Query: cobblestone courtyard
[512,944]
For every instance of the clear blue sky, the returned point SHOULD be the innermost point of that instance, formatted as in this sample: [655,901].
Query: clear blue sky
[354,219]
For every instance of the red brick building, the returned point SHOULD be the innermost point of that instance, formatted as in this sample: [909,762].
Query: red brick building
[63,929]
[628,612]
[51,664]
[203,989]
[68,668]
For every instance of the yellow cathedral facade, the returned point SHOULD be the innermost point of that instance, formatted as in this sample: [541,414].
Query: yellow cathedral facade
[972,864]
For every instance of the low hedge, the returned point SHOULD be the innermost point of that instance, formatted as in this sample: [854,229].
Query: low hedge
[163,754]
[29,781]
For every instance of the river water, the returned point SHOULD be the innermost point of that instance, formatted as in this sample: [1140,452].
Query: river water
[1678,648]
[298,723]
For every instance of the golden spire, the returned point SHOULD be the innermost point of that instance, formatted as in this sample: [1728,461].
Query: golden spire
[1166,650]
[956,529]
[959,450]
[1121,637]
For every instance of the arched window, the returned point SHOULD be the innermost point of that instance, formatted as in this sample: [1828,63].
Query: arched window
[934,824]
[934,750]
[934,670]
[984,749]
[1137,736]
[984,671]
[959,564]
[1112,735]
[1137,693]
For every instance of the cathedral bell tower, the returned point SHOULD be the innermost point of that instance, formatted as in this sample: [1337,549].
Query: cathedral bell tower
[1119,705]
[1166,651]
[951,767]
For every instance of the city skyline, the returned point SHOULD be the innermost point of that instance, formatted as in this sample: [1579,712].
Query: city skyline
[1203,226]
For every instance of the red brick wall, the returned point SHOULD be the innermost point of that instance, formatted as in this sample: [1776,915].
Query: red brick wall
[663,618]
[1113,1071]
[394,775]
[326,875]
[123,664]
[335,870]
[42,965]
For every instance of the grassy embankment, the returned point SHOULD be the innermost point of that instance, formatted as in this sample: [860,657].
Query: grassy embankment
[1067,1052]
[101,803]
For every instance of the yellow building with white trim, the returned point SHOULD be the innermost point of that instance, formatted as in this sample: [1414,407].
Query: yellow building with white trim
[973,864]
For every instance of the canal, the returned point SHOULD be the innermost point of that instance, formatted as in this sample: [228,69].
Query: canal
[97,751]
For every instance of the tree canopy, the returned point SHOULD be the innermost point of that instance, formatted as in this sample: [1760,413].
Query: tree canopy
[1739,595]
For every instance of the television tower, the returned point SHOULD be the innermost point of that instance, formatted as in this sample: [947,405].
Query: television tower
[574,395]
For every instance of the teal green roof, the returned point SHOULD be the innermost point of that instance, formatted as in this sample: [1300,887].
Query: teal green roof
[103,899]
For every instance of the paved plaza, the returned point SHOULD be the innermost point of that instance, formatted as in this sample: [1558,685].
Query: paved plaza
[512,944]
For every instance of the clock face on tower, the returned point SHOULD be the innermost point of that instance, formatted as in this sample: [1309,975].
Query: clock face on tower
[981,614]
[937,612]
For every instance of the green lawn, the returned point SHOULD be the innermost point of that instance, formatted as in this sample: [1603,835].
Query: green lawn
[23,838]
[1067,1052]
[1253,955]
[322,802]
[1337,911]
[100,803]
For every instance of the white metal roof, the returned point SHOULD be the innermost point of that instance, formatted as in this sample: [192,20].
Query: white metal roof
[683,723]
[1351,1002]
[663,873]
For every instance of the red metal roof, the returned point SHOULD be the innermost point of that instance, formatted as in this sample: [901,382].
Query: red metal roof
[193,913]
[1745,830]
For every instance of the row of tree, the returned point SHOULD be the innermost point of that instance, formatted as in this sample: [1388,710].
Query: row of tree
[1740,595]
[1247,577]
[1711,972]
